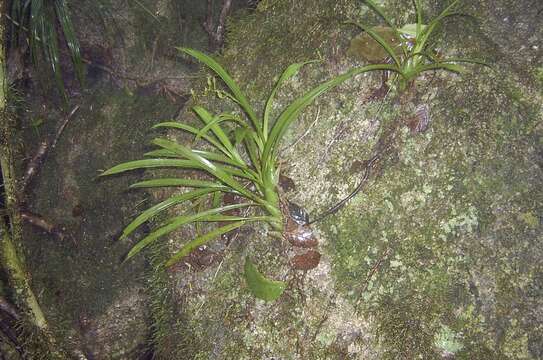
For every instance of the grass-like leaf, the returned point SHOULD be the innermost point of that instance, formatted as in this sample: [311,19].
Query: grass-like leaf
[290,71]
[416,57]
[229,81]
[213,169]
[176,182]
[166,204]
[202,240]
[150,163]
[178,222]
[43,24]
[290,114]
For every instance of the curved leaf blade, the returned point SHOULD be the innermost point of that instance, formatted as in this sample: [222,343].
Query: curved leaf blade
[150,163]
[175,182]
[260,286]
[229,81]
[164,205]
[202,240]
[295,108]
[289,72]
[191,130]
[176,223]
[213,169]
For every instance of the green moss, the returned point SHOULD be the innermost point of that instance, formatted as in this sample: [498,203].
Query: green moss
[111,127]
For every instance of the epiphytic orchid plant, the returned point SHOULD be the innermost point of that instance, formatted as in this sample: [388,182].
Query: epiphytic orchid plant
[241,158]
[413,54]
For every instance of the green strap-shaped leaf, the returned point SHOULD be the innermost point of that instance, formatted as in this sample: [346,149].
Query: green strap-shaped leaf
[192,130]
[466,61]
[212,156]
[388,48]
[161,153]
[260,286]
[293,110]
[176,223]
[64,19]
[208,119]
[169,182]
[411,30]
[151,163]
[252,150]
[179,163]
[427,31]
[229,81]
[166,204]
[419,25]
[241,171]
[213,169]
[441,66]
[378,10]
[202,240]
[225,218]
[290,71]
[220,118]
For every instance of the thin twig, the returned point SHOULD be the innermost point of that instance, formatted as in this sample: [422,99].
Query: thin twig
[41,223]
[35,164]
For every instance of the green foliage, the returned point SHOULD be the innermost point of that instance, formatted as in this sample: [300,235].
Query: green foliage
[414,53]
[261,287]
[242,161]
[36,21]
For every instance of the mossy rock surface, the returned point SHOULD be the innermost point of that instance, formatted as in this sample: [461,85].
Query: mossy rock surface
[437,257]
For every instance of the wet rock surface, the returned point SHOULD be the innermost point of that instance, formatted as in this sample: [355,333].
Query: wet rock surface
[438,256]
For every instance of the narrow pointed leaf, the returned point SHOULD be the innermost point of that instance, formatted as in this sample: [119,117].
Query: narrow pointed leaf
[466,61]
[64,19]
[150,163]
[192,130]
[293,110]
[207,165]
[260,286]
[441,66]
[161,153]
[418,10]
[171,182]
[208,119]
[212,156]
[229,81]
[176,223]
[202,240]
[290,71]
[381,13]
[217,120]
[425,33]
[166,204]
